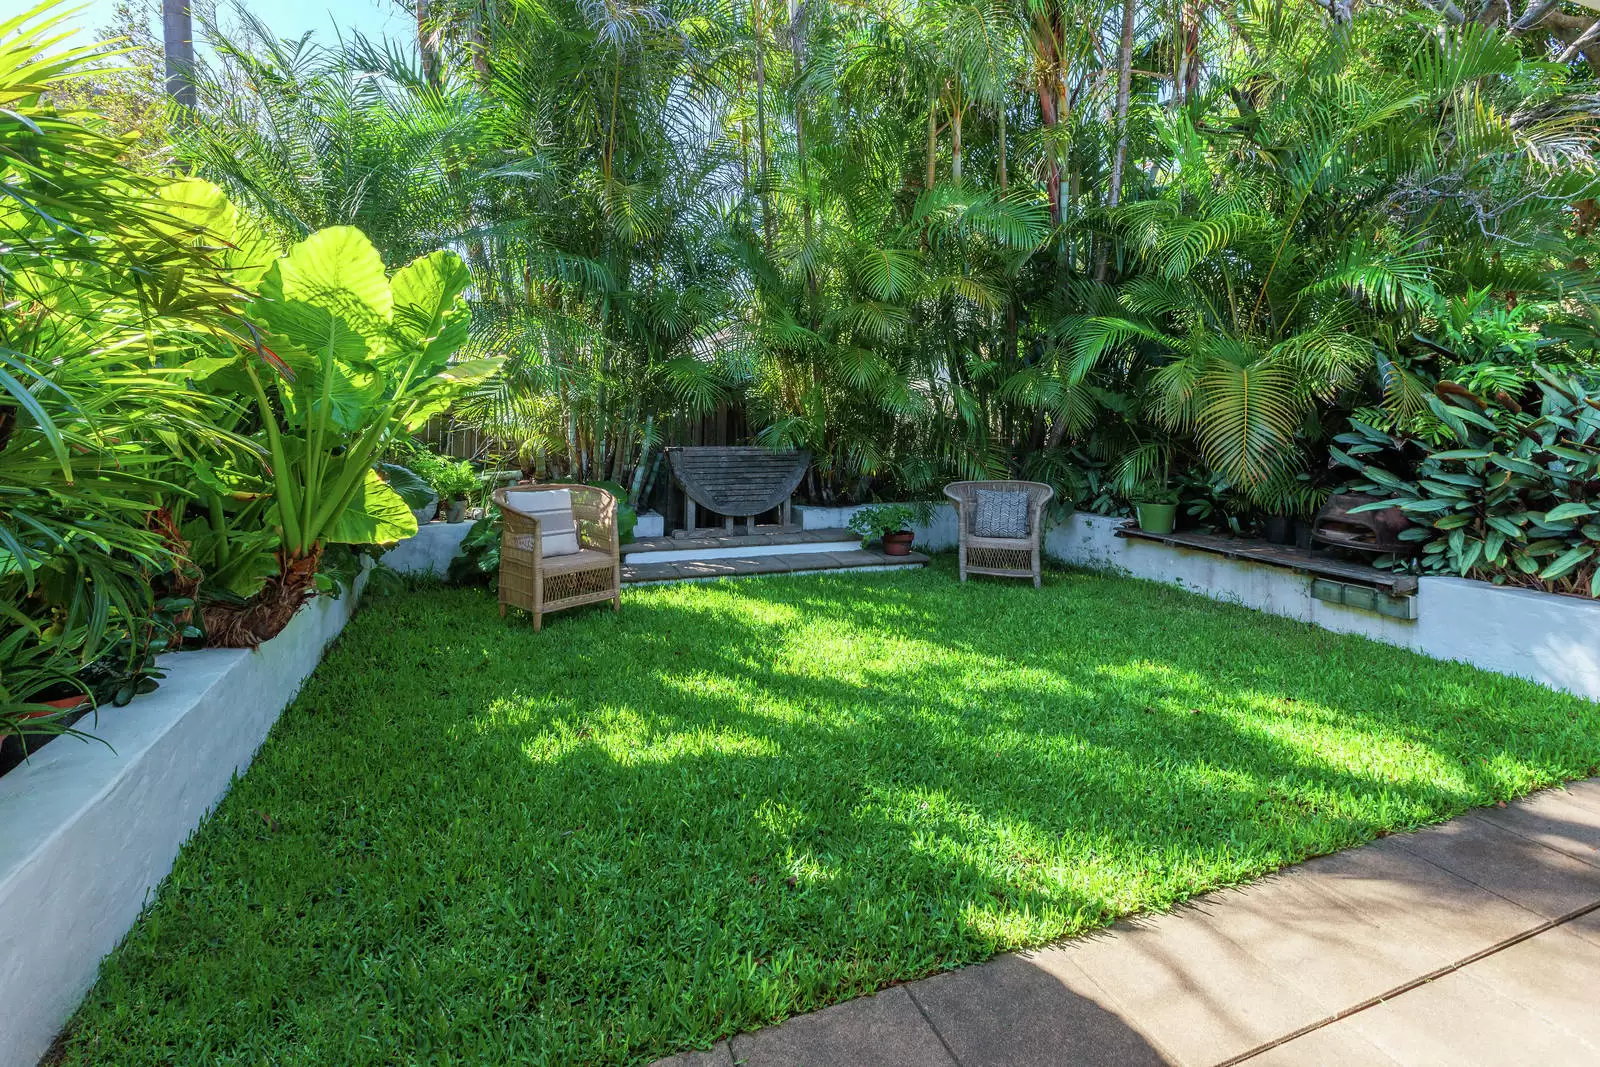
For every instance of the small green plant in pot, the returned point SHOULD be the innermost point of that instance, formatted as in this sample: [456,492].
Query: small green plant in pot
[889,523]
[455,483]
[1156,505]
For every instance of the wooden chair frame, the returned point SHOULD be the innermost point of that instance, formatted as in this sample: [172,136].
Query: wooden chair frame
[539,585]
[1006,557]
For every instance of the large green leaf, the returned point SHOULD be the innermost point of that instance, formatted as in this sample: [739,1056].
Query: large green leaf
[376,516]
[429,312]
[328,296]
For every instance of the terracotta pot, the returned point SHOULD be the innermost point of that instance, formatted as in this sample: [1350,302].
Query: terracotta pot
[64,704]
[898,544]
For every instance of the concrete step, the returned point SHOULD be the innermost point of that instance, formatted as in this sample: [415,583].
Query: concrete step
[716,544]
[854,558]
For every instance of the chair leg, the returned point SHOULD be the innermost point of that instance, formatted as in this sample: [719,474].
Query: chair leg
[538,621]
[962,554]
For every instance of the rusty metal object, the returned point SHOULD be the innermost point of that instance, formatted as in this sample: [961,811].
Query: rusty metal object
[1338,525]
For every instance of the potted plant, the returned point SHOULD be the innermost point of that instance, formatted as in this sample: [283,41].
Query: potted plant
[889,523]
[1156,505]
[455,482]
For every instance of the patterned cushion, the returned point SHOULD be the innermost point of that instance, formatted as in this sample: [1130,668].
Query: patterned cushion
[1000,513]
[553,508]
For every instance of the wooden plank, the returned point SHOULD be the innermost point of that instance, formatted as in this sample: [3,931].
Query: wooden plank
[1298,559]
[737,480]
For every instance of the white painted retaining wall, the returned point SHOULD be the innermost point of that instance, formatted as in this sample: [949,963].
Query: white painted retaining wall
[430,550]
[938,534]
[1550,639]
[87,832]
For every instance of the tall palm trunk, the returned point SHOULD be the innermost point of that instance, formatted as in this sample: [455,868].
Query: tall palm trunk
[177,32]
[1119,156]
[1048,29]
[427,43]
[761,126]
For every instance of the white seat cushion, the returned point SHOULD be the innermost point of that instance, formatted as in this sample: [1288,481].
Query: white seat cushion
[553,508]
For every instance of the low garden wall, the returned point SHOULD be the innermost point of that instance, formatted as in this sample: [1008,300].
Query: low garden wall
[1554,640]
[938,534]
[88,830]
[430,550]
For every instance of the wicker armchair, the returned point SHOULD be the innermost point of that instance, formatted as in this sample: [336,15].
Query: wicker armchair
[1011,557]
[539,584]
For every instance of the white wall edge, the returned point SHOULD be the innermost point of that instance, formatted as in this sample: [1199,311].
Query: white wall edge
[429,550]
[938,534]
[87,831]
[1550,639]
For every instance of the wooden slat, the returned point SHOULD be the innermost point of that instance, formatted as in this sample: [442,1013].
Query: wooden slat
[1282,556]
[738,480]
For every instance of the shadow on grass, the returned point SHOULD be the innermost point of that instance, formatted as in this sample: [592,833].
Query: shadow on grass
[733,803]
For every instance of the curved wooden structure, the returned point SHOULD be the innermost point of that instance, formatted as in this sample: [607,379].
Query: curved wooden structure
[737,480]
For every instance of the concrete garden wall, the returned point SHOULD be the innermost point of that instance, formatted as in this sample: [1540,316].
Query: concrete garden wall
[430,551]
[1550,639]
[88,831]
[938,534]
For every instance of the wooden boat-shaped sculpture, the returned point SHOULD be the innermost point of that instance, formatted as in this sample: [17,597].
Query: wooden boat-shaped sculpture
[741,481]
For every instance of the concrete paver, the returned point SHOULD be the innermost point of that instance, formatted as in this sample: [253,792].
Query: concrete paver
[1021,1011]
[1465,943]
[885,1030]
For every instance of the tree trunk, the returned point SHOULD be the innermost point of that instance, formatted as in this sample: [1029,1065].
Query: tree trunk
[1119,157]
[427,43]
[761,126]
[177,31]
[1047,60]
[933,139]
[1002,134]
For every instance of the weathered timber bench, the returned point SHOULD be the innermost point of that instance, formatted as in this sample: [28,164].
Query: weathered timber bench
[736,480]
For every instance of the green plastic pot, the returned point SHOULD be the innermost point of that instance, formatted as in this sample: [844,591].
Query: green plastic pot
[1156,518]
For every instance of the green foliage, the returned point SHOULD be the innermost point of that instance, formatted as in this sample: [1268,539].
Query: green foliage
[350,357]
[1513,498]
[450,479]
[735,802]
[871,522]
[1154,493]
[478,560]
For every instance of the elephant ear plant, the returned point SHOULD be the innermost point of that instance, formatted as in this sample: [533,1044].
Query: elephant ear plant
[339,358]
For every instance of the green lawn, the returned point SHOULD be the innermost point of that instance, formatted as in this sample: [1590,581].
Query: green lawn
[633,834]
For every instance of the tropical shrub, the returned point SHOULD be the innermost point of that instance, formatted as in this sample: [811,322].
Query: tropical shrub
[185,420]
[1514,498]
[338,359]
[103,293]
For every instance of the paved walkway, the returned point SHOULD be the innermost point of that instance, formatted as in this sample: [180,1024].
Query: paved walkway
[1476,942]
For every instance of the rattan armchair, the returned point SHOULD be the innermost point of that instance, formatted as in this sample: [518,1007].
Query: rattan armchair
[540,584]
[1010,557]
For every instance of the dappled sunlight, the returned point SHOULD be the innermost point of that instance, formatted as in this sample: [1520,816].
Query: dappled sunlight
[737,801]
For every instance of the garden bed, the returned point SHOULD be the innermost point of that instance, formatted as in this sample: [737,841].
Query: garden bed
[88,829]
[637,833]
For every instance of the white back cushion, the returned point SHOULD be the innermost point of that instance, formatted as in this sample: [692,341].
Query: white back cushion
[553,507]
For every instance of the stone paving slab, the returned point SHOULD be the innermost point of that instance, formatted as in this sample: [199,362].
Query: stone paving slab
[764,536]
[787,563]
[884,1030]
[1460,1020]
[1465,943]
